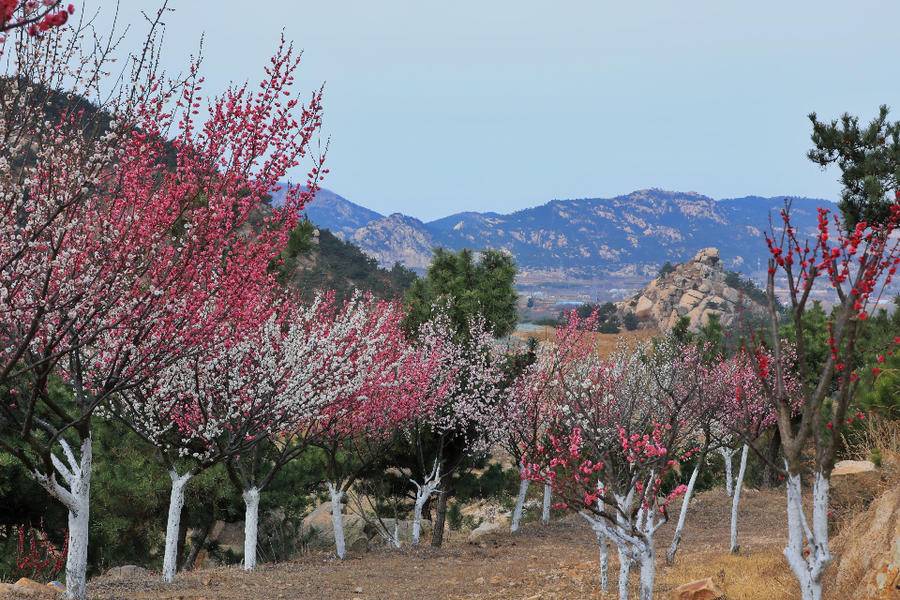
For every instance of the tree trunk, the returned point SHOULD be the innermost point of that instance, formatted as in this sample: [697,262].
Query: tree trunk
[624,570]
[423,493]
[736,499]
[548,496]
[251,526]
[440,517]
[77,500]
[727,453]
[520,504]
[197,543]
[647,560]
[173,525]
[337,520]
[603,545]
[770,473]
[808,569]
[676,539]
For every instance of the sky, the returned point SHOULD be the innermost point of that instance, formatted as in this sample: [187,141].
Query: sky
[434,108]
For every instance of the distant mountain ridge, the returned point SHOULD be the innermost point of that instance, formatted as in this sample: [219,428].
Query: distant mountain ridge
[630,235]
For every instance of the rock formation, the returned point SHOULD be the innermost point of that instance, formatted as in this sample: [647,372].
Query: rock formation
[696,289]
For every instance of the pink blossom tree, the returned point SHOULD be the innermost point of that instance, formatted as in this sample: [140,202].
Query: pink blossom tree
[533,400]
[104,288]
[856,265]
[625,424]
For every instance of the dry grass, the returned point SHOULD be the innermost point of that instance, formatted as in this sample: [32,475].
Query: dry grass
[605,343]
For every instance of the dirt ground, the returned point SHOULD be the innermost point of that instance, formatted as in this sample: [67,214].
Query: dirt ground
[558,561]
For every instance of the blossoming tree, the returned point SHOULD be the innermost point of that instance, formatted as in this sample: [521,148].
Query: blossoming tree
[856,265]
[624,426]
[463,419]
[104,287]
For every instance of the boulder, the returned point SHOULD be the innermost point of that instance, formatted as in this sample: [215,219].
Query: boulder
[29,588]
[709,256]
[690,299]
[127,572]
[642,308]
[869,550]
[703,589]
[356,530]
[854,483]
[229,536]
[485,532]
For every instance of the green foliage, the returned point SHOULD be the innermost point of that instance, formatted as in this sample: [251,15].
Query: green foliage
[869,160]
[816,341]
[747,286]
[711,338]
[881,393]
[630,321]
[466,288]
[609,325]
[666,269]
[318,260]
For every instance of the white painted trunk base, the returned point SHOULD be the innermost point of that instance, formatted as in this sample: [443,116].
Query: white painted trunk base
[337,520]
[251,526]
[727,453]
[77,500]
[603,545]
[682,516]
[548,497]
[423,493]
[736,499]
[809,569]
[520,504]
[173,524]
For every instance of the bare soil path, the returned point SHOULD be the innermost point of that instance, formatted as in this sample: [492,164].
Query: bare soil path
[558,561]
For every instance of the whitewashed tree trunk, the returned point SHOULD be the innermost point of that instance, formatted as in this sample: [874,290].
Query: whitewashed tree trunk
[624,570]
[77,500]
[173,525]
[727,453]
[809,569]
[337,520]
[423,493]
[545,511]
[603,545]
[682,516]
[736,499]
[647,559]
[251,526]
[520,503]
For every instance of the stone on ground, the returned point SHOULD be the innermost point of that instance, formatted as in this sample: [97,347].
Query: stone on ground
[702,589]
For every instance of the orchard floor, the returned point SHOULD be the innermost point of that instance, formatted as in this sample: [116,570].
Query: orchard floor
[558,561]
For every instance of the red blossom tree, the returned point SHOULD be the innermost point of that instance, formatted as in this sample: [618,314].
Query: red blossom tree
[856,265]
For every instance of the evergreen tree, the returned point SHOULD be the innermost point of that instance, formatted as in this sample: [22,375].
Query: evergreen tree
[869,159]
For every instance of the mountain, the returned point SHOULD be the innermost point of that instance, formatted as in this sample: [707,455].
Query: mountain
[584,239]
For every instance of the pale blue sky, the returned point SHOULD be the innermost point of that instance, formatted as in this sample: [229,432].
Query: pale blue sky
[435,108]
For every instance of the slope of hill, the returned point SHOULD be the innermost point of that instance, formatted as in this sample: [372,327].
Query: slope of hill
[587,238]
[316,259]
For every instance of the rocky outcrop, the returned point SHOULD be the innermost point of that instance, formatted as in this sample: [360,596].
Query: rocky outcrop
[869,550]
[696,289]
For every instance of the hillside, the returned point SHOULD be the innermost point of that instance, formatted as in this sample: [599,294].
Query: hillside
[316,259]
[588,238]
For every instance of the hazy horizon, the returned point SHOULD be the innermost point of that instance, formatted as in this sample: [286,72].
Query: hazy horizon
[435,109]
